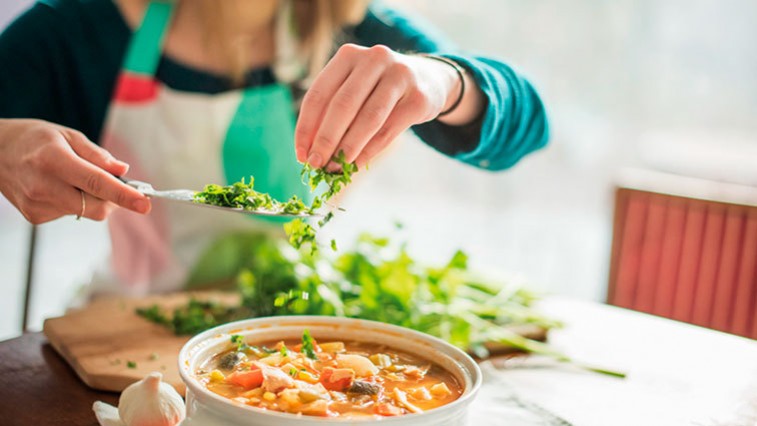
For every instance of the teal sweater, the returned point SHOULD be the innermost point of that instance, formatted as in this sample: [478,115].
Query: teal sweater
[60,60]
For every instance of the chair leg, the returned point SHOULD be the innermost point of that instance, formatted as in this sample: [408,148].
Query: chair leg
[29,280]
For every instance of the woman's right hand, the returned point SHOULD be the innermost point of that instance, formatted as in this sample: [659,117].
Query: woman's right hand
[43,167]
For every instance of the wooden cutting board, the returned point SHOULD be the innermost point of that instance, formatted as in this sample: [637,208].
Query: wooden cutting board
[100,340]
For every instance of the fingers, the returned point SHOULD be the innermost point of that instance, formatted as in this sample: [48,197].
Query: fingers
[98,208]
[317,98]
[93,180]
[49,163]
[398,122]
[371,117]
[345,106]
[96,155]
[91,208]
[67,201]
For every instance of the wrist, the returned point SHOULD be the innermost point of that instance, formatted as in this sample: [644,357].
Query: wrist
[455,83]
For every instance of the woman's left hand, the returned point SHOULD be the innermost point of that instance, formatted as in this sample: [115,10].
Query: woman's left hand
[365,97]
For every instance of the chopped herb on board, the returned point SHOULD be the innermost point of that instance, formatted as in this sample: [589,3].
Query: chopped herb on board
[131,364]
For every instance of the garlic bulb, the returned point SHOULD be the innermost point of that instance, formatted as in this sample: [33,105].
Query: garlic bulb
[151,402]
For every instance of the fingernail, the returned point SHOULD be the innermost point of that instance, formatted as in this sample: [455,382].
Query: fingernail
[315,160]
[119,163]
[141,205]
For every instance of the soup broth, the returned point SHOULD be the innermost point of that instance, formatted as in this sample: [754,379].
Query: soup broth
[331,379]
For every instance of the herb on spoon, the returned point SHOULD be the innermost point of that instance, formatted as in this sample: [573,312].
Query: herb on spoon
[244,196]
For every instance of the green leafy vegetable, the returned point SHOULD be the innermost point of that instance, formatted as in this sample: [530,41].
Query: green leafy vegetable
[307,345]
[239,342]
[378,280]
[299,233]
[244,196]
[335,182]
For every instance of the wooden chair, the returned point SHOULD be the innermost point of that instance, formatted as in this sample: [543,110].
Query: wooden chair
[686,249]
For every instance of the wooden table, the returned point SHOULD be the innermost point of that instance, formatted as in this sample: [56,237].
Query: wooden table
[38,388]
[677,374]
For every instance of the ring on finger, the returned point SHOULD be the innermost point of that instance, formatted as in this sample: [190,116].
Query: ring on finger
[83,205]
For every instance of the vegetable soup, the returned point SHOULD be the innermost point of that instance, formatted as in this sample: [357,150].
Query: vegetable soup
[330,379]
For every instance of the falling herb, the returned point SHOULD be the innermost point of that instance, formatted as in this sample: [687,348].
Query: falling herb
[333,245]
[308,346]
[335,182]
[300,232]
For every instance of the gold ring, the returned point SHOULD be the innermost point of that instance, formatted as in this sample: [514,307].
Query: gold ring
[83,205]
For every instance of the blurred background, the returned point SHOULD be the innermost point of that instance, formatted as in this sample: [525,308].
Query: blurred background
[663,85]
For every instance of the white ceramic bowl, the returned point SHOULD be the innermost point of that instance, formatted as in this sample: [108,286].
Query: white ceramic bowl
[208,409]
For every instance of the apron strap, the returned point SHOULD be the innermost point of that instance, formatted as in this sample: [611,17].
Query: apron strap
[146,45]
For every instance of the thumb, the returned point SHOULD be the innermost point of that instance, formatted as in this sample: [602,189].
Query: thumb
[93,153]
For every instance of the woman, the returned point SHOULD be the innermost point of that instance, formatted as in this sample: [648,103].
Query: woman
[183,93]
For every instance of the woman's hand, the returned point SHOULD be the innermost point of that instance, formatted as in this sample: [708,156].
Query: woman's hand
[365,97]
[43,166]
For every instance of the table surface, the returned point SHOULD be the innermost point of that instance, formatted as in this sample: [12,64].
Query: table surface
[677,374]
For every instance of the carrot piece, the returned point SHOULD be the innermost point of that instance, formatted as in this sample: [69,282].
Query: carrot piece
[387,409]
[337,379]
[247,379]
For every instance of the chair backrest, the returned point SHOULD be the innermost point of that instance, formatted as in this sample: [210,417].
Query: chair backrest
[686,249]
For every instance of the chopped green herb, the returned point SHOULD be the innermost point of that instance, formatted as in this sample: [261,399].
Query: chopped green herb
[239,342]
[308,347]
[299,233]
[131,364]
[293,372]
[333,245]
[326,219]
[154,356]
[377,280]
[335,182]
[284,351]
[243,195]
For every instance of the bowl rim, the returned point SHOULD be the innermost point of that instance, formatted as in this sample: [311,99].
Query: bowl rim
[472,370]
